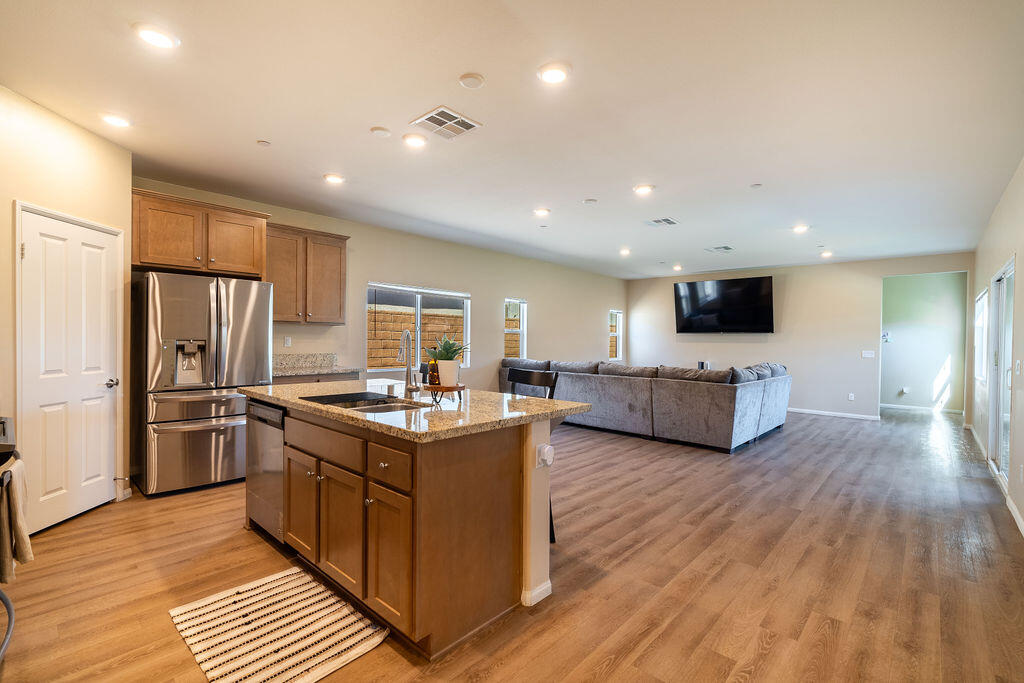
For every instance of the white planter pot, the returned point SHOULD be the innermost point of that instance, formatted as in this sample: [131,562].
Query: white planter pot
[448,371]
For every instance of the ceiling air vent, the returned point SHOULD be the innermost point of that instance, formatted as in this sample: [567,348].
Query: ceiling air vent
[720,250]
[445,122]
[662,221]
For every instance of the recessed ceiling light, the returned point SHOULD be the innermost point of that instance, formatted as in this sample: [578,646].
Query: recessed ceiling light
[555,72]
[826,254]
[333,178]
[643,189]
[624,251]
[754,186]
[117,121]
[801,228]
[471,81]
[590,201]
[542,212]
[263,143]
[156,37]
[414,139]
[380,132]
[677,267]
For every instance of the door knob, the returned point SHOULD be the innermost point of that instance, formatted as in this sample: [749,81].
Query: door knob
[111,383]
[368,502]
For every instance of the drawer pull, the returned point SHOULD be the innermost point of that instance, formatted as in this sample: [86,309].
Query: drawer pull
[368,502]
[383,465]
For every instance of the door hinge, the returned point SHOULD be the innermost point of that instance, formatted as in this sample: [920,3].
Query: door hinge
[22,251]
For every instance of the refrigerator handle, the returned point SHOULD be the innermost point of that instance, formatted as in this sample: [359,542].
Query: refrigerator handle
[221,330]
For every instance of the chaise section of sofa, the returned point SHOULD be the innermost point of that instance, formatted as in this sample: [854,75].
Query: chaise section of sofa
[712,414]
[620,403]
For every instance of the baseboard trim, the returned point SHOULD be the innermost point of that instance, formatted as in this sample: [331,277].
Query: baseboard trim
[977,440]
[1016,515]
[919,409]
[854,416]
[532,597]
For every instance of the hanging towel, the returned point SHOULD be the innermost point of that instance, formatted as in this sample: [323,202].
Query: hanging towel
[14,541]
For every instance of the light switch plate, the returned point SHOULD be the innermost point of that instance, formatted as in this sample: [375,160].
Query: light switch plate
[867,354]
[851,397]
[287,342]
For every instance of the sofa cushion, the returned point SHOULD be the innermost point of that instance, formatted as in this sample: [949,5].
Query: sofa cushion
[584,367]
[525,363]
[695,375]
[778,369]
[741,375]
[761,370]
[620,370]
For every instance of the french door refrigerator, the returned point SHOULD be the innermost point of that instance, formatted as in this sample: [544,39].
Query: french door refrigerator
[195,340]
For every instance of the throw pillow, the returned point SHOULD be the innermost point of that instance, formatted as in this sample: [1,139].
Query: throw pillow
[742,375]
[695,375]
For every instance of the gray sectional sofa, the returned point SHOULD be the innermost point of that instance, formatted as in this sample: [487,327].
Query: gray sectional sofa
[722,409]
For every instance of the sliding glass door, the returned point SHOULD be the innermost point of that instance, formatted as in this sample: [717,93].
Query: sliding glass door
[1002,370]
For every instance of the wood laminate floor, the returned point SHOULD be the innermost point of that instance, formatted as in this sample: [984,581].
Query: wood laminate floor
[837,549]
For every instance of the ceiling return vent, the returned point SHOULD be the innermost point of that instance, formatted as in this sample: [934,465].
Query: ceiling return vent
[724,249]
[662,221]
[445,122]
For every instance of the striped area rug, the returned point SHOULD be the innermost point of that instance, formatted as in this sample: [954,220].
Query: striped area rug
[285,627]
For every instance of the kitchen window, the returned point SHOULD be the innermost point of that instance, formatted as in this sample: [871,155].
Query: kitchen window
[614,335]
[515,328]
[428,314]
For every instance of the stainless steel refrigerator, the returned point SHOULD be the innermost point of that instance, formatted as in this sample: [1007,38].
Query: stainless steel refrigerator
[194,340]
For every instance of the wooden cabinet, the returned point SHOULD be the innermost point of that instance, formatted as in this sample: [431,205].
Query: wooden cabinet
[308,272]
[179,234]
[389,555]
[342,509]
[300,502]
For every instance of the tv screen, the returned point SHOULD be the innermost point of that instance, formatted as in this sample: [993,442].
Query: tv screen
[739,305]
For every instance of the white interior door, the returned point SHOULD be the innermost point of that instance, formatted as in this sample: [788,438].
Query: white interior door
[70,306]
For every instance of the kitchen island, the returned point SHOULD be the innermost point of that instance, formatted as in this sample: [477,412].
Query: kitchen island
[434,517]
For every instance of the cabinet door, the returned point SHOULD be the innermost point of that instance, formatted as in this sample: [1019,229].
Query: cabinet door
[286,268]
[170,234]
[341,527]
[389,555]
[235,242]
[300,502]
[325,279]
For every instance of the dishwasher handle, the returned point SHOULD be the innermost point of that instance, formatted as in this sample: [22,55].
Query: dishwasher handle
[261,412]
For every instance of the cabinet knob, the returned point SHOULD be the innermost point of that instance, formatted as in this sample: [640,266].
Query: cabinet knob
[368,502]
[212,260]
[308,315]
[198,259]
[320,477]
[308,474]
[383,465]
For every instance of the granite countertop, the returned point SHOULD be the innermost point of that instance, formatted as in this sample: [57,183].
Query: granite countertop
[295,372]
[479,411]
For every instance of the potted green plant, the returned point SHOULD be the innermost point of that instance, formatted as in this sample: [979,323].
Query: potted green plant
[446,356]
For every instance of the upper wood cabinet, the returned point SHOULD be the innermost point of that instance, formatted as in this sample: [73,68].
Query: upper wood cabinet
[308,272]
[175,233]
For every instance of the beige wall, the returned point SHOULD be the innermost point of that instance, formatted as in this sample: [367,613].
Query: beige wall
[825,315]
[568,309]
[50,162]
[926,318]
[1000,242]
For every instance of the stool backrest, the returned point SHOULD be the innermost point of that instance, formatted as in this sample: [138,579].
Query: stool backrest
[536,378]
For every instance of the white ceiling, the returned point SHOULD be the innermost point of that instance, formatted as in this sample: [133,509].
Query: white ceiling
[891,128]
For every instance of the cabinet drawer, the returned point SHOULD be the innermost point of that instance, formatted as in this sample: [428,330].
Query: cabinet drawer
[389,466]
[334,447]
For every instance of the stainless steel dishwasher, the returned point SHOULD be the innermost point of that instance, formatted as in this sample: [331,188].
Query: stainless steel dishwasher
[264,467]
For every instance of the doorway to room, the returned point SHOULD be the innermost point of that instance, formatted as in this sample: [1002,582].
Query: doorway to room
[1000,354]
[924,341]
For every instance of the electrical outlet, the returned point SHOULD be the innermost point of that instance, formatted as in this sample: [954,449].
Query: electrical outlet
[287,342]
[850,396]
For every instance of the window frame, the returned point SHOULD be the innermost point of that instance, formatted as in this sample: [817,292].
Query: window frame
[981,346]
[619,321]
[417,323]
[521,331]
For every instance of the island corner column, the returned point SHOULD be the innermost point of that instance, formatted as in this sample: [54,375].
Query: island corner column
[536,501]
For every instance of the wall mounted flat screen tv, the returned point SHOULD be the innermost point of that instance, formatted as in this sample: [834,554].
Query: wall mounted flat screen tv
[738,305]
